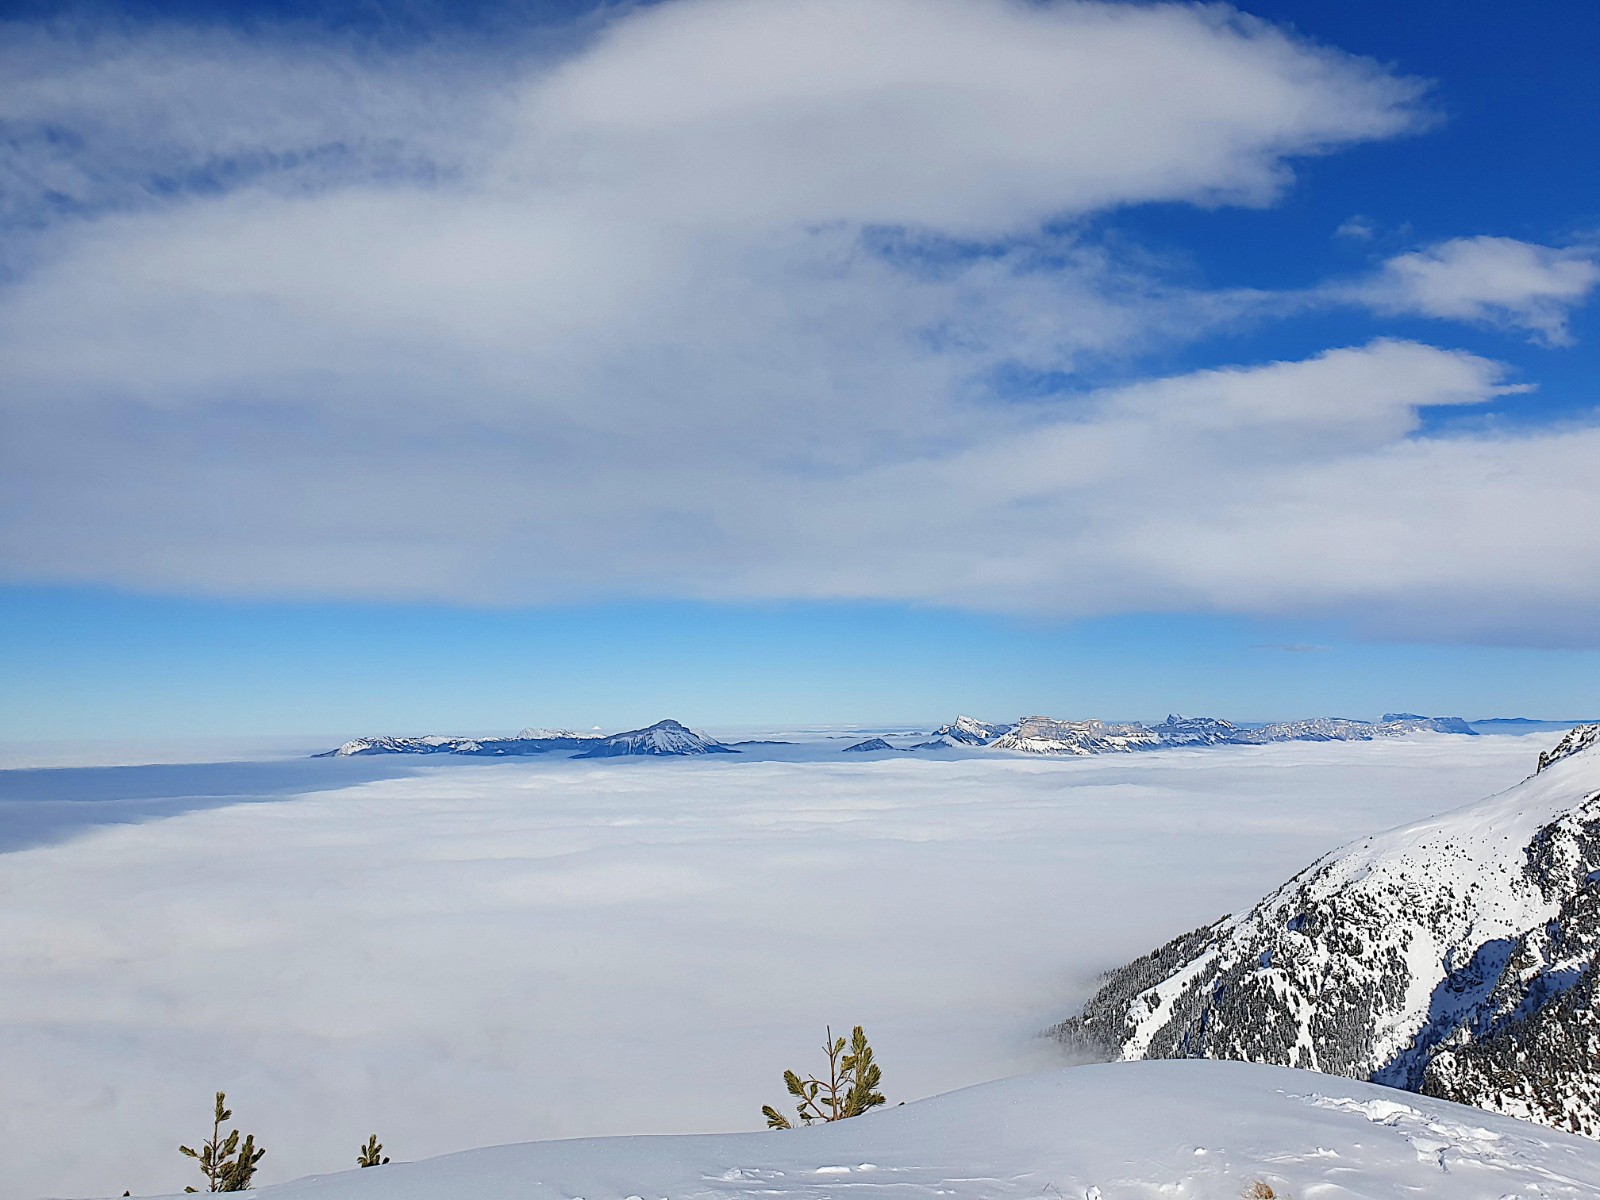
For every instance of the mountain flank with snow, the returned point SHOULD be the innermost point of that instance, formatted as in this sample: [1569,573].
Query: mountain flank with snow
[1458,957]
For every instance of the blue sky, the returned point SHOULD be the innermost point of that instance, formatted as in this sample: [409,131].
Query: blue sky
[404,367]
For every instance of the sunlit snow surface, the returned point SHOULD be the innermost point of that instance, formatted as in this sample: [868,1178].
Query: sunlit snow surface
[495,952]
[1126,1131]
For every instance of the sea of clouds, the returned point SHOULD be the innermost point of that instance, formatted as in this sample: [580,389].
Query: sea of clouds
[482,953]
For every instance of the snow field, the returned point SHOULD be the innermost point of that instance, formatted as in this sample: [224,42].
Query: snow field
[1190,1130]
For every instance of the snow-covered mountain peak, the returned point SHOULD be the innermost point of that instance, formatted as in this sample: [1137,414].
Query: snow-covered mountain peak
[534,734]
[1458,956]
[666,737]
[966,731]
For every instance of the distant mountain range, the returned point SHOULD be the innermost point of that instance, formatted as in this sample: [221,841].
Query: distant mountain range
[666,737]
[1030,735]
[1458,957]
[1050,735]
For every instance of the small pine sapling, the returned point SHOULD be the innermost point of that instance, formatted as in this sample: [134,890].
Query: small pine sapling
[849,1090]
[371,1154]
[227,1164]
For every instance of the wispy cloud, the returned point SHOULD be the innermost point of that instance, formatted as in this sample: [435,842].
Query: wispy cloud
[1357,228]
[1488,280]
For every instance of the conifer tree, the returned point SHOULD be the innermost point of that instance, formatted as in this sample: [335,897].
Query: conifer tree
[227,1164]
[371,1155]
[849,1090]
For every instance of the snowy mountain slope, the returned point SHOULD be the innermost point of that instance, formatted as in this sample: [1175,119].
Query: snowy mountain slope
[1457,957]
[666,737]
[535,734]
[1126,1131]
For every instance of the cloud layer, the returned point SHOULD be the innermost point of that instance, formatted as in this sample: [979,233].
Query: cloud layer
[724,303]
[506,952]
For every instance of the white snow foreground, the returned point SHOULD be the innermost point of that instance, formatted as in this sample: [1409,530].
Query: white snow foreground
[1185,1130]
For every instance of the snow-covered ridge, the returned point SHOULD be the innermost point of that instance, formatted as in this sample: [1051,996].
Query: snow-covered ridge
[1458,957]
[1052,735]
[664,737]
[1046,735]
[1128,1131]
[1341,729]
[403,745]
[1577,740]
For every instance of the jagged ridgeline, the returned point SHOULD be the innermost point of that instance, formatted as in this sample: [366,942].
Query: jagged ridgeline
[1456,957]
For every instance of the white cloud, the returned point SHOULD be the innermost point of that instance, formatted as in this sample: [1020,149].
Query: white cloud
[1356,228]
[500,952]
[1490,280]
[962,115]
[710,307]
